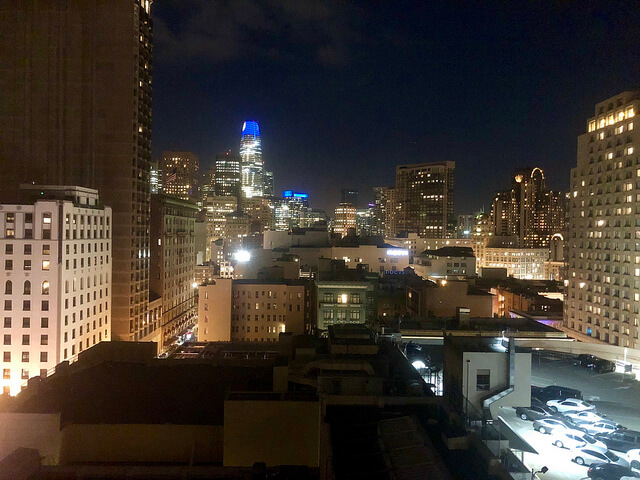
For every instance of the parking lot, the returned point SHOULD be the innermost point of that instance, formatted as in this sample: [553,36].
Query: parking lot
[614,395]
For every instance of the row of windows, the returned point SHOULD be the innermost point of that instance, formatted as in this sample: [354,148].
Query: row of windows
[26,322]
[27,249]
[340,314]
[26,339]
[6,374]
[26,287]
[25,357]
[26,265]
[26,305]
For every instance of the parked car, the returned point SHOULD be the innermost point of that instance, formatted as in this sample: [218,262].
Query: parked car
[621,440]
[548,424]
[555,392]
[533,412]
[570,404]
[609,471]
[567,439]
[633,456]
[600,365]
[603,426]
[584,416]
[588,456]
[575,439]
[584,359]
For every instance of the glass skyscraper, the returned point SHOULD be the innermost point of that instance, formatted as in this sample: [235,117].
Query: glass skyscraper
[251,160]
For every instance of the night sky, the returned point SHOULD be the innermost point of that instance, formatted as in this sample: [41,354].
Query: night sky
[345,91]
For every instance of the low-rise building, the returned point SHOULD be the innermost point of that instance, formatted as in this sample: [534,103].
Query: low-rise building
[445,263]
[254,310]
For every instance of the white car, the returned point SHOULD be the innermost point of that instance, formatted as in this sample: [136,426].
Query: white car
[603,426]
[570,404]
[589,455]
[584,416]
[634,458]
[576,439]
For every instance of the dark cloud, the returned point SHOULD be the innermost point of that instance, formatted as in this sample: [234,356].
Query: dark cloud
[227,30]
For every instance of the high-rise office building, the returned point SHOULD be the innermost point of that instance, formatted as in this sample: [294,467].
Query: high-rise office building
[75,109]
[424,196]
[207,185]
[603,291]
[252,166]
[180,174]
[345,219]
[228,179]
[268,184]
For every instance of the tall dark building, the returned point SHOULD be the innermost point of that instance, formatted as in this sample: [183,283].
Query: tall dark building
[348,195]
[424,197]
[75,109]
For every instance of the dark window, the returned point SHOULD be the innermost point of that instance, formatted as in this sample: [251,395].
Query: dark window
[482,380]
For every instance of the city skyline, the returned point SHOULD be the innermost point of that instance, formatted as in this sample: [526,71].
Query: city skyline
[514,91]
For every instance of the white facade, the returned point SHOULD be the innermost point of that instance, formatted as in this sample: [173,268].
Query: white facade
[55,282]
[522,263]
[603,278]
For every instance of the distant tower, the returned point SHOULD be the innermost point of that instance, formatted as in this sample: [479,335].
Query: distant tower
[180,174]
[424,195]
[268,184]
[227,175]
[345,214]
[349,195]
[251,163]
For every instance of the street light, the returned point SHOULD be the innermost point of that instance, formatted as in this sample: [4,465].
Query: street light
[534,472]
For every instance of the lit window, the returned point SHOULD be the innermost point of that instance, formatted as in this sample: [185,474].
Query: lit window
[46,264]
[630,113]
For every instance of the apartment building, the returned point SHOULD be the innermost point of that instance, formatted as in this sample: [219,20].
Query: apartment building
[603,284]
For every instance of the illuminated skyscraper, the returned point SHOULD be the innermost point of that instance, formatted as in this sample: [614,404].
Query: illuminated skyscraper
[528,211]
[251,164]
[180,174]
[345,218]
[227,175]
[603,281]
[424,195]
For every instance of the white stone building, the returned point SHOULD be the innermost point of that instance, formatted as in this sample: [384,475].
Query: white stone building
[55,279]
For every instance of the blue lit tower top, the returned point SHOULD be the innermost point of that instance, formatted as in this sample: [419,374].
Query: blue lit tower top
[251,163]
[251,128]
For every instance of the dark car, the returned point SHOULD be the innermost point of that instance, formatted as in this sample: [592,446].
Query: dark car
[621,440]
[609,471]
[556,392]
[533,412]
[584,359]
[601,365]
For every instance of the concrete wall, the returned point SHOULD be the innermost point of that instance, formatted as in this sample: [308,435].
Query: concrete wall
[40,431]
[141,443]
[443,300]
[498,366]
[274,432]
